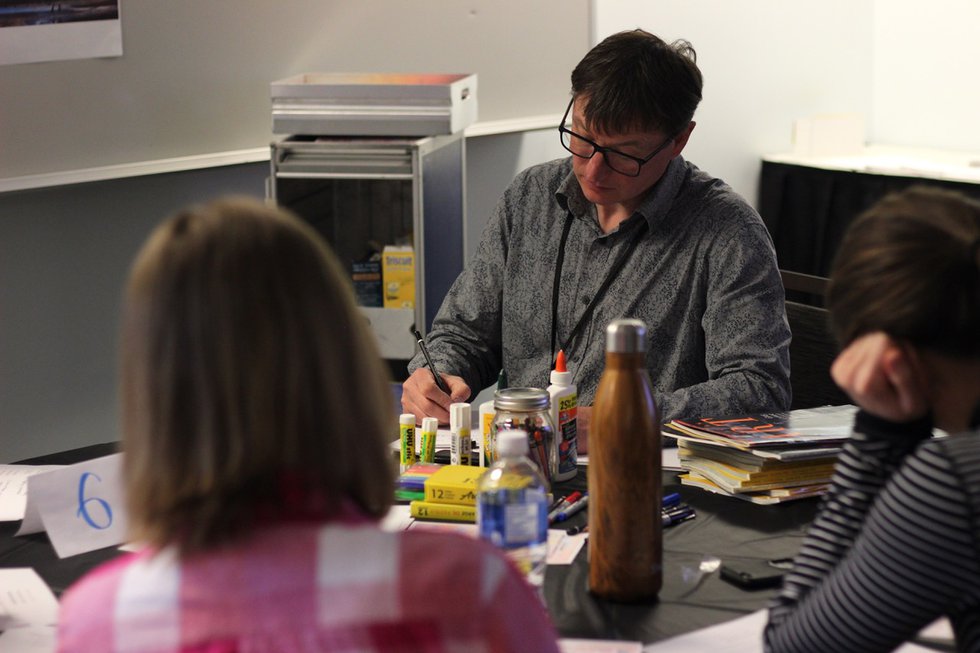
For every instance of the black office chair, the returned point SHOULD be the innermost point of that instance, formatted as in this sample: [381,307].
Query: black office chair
[813,348]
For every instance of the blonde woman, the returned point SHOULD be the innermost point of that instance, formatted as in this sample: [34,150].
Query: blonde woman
[256,416]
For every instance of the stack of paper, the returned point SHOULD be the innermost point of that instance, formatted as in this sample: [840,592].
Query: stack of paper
[764,458]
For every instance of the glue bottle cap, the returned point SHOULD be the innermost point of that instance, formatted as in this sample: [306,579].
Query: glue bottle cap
[430,425]
[408,419]
[560,375]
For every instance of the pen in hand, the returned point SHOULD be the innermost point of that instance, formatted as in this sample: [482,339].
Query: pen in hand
[428,361]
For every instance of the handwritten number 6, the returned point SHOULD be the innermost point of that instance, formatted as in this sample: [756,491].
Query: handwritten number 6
[83,510]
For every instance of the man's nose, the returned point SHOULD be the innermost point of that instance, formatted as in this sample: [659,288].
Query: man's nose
[598,165]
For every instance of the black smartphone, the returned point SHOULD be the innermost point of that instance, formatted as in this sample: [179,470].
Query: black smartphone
[755,574]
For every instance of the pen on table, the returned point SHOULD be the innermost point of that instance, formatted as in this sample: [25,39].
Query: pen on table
[674,511]
[669,519]
[563,504]
[428,361]
[572,509]
[671,499]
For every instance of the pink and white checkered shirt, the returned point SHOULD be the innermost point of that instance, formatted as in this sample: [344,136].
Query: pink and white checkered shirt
[345,586]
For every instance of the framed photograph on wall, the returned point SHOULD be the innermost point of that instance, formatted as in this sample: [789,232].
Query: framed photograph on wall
[50,31]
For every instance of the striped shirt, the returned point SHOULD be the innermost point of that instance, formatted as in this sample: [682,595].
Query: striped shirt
[703,278]
[894,547]
[302,587]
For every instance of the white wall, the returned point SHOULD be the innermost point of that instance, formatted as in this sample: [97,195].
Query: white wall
[765,63]
[925,77]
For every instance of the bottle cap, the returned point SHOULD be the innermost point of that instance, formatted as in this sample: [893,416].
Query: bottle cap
[560,375]
[430,424]
[459,416]
[626,336]
[512,442]
[521,399]
[408,419]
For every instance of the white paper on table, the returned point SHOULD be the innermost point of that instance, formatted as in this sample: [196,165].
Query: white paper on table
[13,489]
[81,505]
[562,547]
[398,518]
[25,599]
[742,635]
[32,517]
[36,639]
[566,645]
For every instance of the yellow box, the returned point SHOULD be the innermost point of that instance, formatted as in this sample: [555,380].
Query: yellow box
[398,276]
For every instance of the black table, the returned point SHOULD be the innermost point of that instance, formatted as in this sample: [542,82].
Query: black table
[807,209]
[725,527]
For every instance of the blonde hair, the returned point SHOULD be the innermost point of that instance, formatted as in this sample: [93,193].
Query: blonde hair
[250,384]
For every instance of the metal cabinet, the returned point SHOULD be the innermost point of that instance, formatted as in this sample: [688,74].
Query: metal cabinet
[364,193]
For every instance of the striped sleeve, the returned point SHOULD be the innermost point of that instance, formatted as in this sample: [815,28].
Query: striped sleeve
[892,548]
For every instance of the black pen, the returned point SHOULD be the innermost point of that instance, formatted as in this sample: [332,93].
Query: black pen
[428,361]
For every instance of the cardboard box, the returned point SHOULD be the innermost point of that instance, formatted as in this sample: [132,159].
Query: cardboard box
[373,104]
[398,276]
[366,276]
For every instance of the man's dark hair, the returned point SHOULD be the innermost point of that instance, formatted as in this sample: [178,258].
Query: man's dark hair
[636,81]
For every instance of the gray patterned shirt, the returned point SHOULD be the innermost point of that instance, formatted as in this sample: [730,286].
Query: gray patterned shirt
[703,278]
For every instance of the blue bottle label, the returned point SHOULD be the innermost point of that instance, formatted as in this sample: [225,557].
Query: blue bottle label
[513,521]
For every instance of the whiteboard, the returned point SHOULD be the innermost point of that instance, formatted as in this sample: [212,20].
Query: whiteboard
[194,76]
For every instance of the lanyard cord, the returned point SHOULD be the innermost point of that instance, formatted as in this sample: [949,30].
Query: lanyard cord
[635,237]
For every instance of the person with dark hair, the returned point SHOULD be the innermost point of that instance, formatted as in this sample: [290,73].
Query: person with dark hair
[896,543]
[256,418]
[623,227]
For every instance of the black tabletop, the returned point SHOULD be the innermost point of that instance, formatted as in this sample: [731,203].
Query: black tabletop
[725,528]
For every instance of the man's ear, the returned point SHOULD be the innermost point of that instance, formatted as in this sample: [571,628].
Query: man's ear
[681,140]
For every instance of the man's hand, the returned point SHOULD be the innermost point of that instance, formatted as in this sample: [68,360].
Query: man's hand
[883,377]
[421,395]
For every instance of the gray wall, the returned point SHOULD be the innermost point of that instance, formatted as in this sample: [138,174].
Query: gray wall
[64,255]
[194,76]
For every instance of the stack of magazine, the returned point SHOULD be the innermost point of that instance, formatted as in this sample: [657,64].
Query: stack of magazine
[764,458]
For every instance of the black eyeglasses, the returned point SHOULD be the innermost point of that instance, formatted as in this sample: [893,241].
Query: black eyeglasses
[624,164]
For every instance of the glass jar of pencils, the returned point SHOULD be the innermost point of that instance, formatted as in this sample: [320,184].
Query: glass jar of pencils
[527,409]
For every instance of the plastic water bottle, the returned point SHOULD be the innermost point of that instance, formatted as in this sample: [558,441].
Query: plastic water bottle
[512,506]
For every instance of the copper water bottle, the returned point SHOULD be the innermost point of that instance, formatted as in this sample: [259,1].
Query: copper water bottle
[625,490]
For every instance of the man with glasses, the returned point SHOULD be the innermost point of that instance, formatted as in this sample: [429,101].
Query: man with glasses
[624,227]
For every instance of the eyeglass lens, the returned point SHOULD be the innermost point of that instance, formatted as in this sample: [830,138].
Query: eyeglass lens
[585,149]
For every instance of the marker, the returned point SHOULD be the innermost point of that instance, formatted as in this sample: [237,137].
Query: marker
[572,509]
[670,510]
[563,505]
[575,530]
[671,499]
[428,361]
[669,519]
